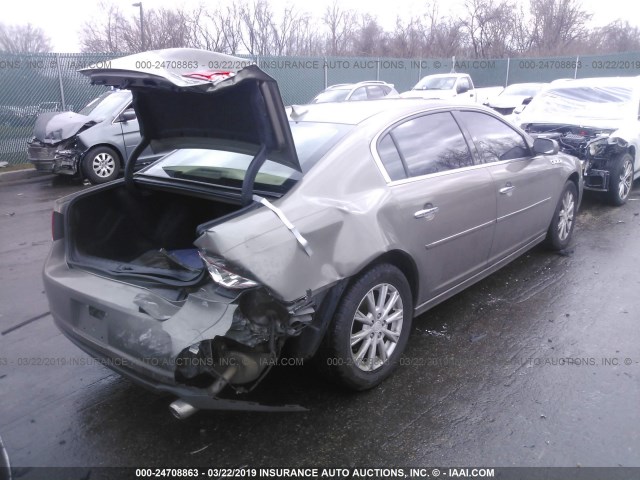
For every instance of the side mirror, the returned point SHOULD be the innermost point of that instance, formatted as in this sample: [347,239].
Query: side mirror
[128,114]
[527,100]
[545,146]
[462,89]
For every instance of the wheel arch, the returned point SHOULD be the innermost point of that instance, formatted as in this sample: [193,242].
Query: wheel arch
[632,152]
[403,261]
[108,145]
[309,342]
[575,178]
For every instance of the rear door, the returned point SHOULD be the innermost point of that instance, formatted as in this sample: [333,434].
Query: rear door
[523,182]
[445,205]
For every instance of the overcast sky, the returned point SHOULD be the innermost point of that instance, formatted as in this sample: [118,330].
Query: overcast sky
[62,20]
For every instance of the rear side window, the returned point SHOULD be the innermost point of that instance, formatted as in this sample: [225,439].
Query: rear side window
[374,92]
[391,158]
[431,143]
[494,140]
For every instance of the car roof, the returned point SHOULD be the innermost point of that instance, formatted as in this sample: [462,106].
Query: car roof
[349,86]
[447,75]
[596,81]
[524,84]
[353,113]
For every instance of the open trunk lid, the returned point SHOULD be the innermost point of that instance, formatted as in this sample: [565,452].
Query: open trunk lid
[190,98]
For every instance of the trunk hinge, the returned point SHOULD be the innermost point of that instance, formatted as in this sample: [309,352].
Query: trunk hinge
[129,165]
[250,176]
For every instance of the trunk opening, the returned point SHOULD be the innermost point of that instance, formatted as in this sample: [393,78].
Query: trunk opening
[148,233]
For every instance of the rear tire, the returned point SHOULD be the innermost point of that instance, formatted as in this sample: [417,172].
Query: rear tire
[101,165]
[563,221]
[621,180]
[369,330]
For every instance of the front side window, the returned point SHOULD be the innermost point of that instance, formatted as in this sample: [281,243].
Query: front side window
[431,143]
[463,85]
[495,140]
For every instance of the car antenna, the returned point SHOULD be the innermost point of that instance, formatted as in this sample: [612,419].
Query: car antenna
[297,111]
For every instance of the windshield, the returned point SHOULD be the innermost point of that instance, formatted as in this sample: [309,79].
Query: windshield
[333,95]
[526,90]
[583,103]
[228,168]
[106,105]
[436,83]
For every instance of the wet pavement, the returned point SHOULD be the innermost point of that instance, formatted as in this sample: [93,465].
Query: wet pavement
[537,365]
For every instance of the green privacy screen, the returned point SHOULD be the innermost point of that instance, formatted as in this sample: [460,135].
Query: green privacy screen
[35,83]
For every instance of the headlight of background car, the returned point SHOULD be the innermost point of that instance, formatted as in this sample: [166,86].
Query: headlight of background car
[221,274]
[597,147]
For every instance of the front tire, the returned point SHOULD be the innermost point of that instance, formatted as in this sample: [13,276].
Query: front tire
[563,221]
[370,329]
[101,165]
[621,180]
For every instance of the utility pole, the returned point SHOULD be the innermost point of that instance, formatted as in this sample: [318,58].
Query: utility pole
[139,5]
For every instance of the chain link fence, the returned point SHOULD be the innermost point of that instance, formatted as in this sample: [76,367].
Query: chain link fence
[36,83]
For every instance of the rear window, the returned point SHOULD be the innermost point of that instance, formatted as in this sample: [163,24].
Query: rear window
[228,168]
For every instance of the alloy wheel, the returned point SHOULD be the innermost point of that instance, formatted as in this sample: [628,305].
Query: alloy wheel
[376,327]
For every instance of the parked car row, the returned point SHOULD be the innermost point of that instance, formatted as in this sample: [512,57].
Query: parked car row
[26,115]
[316,231]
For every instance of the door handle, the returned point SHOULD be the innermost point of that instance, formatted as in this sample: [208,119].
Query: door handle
[428,212]
[507,189]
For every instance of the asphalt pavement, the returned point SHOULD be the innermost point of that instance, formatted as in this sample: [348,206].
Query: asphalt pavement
[537,365]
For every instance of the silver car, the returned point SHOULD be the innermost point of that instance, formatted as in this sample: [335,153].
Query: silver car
[317,231]
[94,143]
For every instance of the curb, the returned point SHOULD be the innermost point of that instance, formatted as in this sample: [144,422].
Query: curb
[14,175]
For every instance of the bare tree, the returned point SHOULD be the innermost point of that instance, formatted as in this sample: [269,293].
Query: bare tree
[285,32]
[204,31]
[615,37]
[489,27]
[105,37]
[404,41]
[257,27]
[341,24]
[229,23]
[370,39]
[163,28]
[23,39]
[558,26]
[442,36]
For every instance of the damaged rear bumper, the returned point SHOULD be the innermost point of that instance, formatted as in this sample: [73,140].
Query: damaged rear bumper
[196,397]
[138,334]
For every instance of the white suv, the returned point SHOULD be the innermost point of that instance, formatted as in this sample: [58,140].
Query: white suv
[347,92]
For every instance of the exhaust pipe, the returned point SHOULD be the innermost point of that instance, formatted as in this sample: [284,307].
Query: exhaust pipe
[182,409]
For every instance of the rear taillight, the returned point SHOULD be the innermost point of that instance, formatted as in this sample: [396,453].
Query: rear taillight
[57,225]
